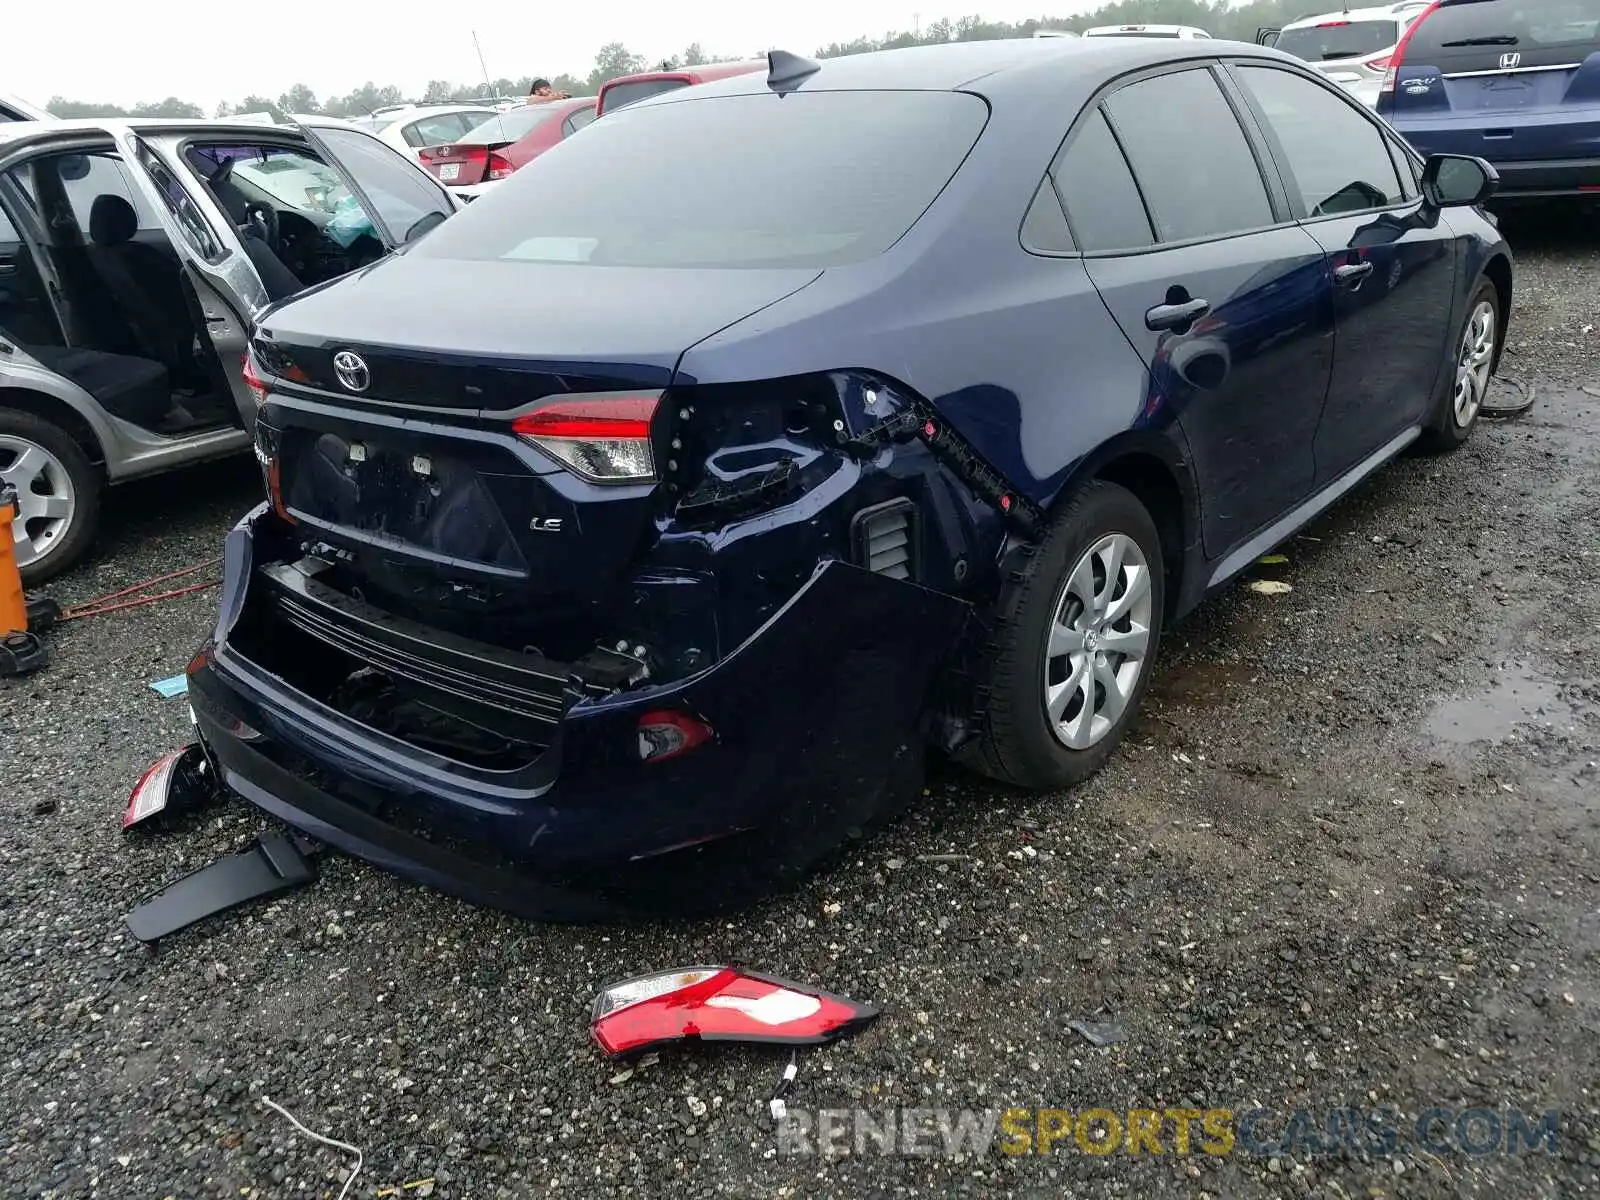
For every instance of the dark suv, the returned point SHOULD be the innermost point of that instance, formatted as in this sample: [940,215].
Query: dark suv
[1516,82]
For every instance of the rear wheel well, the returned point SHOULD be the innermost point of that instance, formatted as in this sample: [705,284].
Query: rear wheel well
[1150,479]
[48,409]
[1498,271]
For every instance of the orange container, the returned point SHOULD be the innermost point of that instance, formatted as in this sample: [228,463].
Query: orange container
[13,607]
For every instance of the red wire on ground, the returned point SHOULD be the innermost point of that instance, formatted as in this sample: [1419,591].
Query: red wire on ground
[103,604]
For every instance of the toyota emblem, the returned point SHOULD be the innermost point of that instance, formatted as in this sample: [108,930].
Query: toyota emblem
[352,371]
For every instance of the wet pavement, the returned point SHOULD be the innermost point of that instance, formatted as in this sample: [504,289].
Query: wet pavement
[1346,861]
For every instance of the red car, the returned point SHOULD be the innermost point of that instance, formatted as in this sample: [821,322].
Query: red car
[500,144]
[628,89]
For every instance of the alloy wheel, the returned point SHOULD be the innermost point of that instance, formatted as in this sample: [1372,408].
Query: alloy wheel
[45,495]
[1099,641]
[1474,363]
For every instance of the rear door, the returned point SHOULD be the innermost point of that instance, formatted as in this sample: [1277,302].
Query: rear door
[229,291]
[401,198]
[1506,79]
[1392,270]
[1227,301]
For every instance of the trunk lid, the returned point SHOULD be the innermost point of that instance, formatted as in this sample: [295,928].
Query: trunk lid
[445,513]
[465,163]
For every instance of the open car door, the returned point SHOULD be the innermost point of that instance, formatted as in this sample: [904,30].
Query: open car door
[400,198]
[230,292]
[1267,37]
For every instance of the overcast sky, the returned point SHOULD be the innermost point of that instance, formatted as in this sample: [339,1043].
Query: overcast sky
[206,52]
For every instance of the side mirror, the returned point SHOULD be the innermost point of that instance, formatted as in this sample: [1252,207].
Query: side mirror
[1458,180]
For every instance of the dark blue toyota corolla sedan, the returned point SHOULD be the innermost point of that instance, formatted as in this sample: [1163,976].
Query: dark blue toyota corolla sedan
[663,507]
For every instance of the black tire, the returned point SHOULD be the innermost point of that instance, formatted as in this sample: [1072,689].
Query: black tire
[86,487]
[1444,432]
[1016,743]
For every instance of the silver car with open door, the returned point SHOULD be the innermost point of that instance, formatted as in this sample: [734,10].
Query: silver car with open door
[134,258]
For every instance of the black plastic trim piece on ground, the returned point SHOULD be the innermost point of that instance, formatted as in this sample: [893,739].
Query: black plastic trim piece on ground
[272,864]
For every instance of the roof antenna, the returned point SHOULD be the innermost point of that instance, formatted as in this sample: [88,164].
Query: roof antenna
[786,71]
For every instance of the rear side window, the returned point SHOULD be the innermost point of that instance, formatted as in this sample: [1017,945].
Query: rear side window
[1339,39]
[1190,156]
[433,131]
[1098,192]
[631,93]
[577,121]
[809,179]
[1337,158]
[1464,37]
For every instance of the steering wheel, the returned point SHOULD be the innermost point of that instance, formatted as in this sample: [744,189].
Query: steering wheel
[267,217]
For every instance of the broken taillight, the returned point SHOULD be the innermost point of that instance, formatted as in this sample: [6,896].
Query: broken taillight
[667,733]
[604,438]
[719,1004]
[176,781]
[253,380]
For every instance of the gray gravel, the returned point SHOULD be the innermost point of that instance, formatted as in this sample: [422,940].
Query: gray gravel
[1348,859]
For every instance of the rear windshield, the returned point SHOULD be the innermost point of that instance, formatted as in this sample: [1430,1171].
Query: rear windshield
[1487,29]
[1339,39]
[808,179]
[632,93]
[509,126]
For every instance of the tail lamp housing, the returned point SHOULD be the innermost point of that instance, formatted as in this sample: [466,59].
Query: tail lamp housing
[606,437]
[719,1004]
[1391,75]
[668,733]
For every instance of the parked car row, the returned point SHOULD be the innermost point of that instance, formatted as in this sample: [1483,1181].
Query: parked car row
[507,141]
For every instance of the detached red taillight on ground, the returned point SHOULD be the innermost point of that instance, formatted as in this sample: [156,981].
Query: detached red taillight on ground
[175,782]
[720,1004]
[604,438]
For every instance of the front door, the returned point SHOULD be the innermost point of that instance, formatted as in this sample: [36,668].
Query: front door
[1228,305]
[402,199]
[1390,259]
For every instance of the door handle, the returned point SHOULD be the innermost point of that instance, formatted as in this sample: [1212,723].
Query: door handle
[1176,317]
[1352,272]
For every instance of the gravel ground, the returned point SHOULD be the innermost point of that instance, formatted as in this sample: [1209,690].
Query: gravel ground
[1349,859]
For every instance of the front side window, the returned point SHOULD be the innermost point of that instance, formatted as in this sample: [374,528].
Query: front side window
[404,197]
[1335,156]
[1190,156]
[809,179]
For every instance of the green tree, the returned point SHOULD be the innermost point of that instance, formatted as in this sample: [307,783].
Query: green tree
[68,109]
[613,60]
[259,104]
[170,107]
[299,99]
[694,56]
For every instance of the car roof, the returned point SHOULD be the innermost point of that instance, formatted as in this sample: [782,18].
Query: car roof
[1377,12]
[15,130]
[990,68]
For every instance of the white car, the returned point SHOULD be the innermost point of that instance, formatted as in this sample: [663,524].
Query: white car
[411,128]
[1352,47]
[1146,31]
[14,108]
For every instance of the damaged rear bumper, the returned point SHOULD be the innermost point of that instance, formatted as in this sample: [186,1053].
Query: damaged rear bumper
[811,715]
